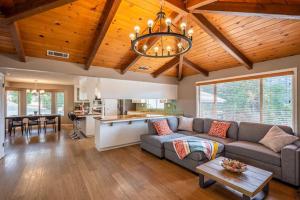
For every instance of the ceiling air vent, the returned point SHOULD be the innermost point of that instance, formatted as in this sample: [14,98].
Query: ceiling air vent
[57,54]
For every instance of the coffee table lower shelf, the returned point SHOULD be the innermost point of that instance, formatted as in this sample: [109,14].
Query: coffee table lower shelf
[253,184]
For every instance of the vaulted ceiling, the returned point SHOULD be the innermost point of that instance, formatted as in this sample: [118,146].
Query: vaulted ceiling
[95,33]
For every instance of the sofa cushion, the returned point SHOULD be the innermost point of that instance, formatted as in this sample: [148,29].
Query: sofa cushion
[232,131]
[276,139]
[172,121]
[254,132]
[158,141]
[217,139]
[254,151]
[187,133]
[198,125]
[162,127]
[219,129]
[185,123]
[197,156]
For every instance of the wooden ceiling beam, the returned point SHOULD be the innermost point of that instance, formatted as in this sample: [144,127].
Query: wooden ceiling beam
[177,6]
[284,11]
[29,8]
[151,42]
[192,65]
[193,4]
[180,67]
[109,12]
[16,38]
[221,39]
[166,67]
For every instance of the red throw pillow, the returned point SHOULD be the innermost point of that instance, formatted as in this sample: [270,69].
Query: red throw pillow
[162,127]
[219,129]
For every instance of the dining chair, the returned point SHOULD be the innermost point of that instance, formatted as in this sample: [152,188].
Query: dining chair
[34,121]
[50,120]
[14,123]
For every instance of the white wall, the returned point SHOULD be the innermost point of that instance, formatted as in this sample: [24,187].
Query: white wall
[187,89]
[124,89]
[41,64]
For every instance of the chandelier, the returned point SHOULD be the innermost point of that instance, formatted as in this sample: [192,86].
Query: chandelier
[170,40]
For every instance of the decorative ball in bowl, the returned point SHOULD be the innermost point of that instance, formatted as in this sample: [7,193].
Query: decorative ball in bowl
[233,165]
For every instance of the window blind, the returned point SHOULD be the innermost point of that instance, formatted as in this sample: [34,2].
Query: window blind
[265,99]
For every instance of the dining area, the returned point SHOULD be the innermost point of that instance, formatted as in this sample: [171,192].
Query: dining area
[29,124]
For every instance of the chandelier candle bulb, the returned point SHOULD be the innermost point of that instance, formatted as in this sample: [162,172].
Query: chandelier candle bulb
[169,49]
[137,30]
[190,33]
[183,27]
[169,23]
[179,46]
[150,25]
[131,36]
[145,47]
[156,50]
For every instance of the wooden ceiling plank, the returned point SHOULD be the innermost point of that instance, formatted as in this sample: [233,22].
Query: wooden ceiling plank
[166,67]
[109,12]
[193,4]
[192,65]
[16,38]
[176,17]
[220,38]
[283,11]
[180,66]
[32,7]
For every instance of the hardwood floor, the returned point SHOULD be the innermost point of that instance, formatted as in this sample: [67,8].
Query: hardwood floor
[56,167]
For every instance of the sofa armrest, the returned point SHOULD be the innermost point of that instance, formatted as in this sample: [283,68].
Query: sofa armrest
[290,164]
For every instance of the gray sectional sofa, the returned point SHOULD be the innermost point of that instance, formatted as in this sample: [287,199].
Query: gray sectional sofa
[241,143]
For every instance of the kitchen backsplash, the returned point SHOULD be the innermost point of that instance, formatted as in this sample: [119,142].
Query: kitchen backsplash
[168,107]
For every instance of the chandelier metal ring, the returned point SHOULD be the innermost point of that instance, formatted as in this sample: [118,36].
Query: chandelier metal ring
[157,34]
[169,40]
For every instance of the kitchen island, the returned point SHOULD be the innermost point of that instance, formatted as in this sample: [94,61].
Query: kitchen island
[121,130]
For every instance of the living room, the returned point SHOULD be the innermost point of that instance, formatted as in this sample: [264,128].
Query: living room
[199,102]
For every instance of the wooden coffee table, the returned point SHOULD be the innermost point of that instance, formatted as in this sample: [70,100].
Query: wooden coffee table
[250,183]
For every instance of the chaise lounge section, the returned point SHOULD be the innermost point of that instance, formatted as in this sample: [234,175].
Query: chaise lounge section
[242,143]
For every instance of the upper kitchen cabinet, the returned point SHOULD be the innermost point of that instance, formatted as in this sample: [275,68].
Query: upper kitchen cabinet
[87,89]
[124,89]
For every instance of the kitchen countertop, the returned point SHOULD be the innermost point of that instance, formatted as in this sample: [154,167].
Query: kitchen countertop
[127,118]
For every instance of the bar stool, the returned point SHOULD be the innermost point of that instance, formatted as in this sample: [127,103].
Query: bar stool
[77,134]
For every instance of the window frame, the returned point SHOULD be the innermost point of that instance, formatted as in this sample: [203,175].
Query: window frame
[260,77]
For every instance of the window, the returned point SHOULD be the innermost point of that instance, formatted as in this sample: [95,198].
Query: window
[12,103]
[60,102]
[45,103]
[32,103]
[266,100]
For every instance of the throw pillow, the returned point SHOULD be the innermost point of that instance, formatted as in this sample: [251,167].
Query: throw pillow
[162,127]
[219,129]
[276,139]
[185,123]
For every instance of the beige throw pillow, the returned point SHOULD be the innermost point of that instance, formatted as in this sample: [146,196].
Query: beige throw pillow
[276,139]
[185,124]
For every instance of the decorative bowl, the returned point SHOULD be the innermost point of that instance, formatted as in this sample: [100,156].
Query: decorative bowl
[233,165]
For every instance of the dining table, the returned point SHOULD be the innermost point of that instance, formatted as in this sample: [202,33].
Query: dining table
[58,116]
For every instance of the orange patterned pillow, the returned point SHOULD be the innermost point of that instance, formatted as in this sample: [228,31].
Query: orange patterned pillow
[162,127]
[219,129]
